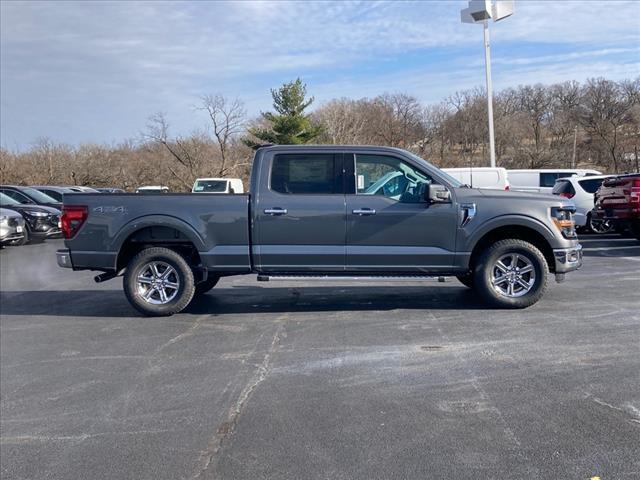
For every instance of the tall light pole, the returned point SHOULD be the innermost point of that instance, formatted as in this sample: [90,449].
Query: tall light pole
[481,11]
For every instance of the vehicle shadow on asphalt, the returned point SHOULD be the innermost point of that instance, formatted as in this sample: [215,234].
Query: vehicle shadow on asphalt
[249,300]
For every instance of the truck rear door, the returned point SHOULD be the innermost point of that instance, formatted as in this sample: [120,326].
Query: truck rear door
[299,213]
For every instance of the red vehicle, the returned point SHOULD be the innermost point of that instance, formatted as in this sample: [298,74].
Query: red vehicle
[618,201]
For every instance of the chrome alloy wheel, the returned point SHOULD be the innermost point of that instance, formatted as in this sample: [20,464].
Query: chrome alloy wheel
[158,283]
[513,275]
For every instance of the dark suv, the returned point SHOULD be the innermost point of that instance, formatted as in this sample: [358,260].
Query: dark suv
[29,196]
[40,221]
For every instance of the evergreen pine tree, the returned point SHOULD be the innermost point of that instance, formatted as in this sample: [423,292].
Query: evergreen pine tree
[288,125]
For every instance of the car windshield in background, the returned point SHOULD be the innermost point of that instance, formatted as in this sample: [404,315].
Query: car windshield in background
[215,186]
[454,182]
[37,195]
[591,186]
[7,200]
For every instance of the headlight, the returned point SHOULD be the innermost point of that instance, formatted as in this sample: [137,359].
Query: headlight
[563,219]
[3,218]
[36,214]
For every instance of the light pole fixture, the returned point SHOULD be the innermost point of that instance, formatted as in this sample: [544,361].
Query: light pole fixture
[481,11]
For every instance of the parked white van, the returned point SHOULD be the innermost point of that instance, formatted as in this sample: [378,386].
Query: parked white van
[481,177]
[218,185]
[543,180]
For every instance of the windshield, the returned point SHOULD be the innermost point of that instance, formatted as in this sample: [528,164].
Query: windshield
[215,186]
[37,195]
[7,200]
[454,182]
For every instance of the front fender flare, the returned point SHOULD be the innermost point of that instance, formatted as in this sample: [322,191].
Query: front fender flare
[506,221]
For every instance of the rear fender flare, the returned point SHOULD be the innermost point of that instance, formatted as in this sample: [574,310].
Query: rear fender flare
[157,221]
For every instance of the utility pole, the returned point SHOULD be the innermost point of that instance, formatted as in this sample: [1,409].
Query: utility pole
[575,143]
[487,63]
[481,11]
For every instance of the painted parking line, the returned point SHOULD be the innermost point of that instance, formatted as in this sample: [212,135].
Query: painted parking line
[591,239]
[602,249]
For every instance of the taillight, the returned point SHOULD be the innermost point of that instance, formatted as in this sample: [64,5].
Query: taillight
[635,192]
[73,216]
[567,195]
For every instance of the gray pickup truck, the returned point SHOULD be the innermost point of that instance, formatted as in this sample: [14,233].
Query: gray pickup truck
[324,212]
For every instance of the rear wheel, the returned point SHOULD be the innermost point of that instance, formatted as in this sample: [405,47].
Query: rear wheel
[635,229]
[511,274]
[158,282]
[208,284]
[599,226]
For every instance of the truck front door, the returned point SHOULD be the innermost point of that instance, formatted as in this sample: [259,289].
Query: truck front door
[390,225]
[299,213]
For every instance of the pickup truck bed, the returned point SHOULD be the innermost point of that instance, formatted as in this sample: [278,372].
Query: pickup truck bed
[217,225]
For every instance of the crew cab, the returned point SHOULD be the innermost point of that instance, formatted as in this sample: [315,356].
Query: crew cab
[618,201]
[315,211]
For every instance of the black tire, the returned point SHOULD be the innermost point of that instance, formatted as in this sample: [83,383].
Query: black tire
[596,228]
[208,284]
[182,275]
[467,280]
[635,229]
[24,240]
[487,262]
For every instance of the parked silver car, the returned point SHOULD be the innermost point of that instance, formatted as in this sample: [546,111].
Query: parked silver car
[11,227]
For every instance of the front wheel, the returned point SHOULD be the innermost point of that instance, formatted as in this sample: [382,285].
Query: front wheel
[158,282]
[22,241]
[466,279]
[511,274]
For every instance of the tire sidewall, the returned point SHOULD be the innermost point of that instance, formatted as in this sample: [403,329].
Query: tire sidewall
[483,274]
[183,271]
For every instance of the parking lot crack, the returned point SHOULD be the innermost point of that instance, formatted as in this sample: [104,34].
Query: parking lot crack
[630,411]
[187,333]
[208,458]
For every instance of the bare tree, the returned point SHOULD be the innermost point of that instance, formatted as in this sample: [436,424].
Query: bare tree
[228,119]
[605,109]
[158,131]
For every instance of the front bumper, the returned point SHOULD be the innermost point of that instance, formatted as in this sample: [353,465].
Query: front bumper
[568,259]
[11,237]
[63,257]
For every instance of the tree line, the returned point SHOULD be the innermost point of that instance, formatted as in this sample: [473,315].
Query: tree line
[595,124]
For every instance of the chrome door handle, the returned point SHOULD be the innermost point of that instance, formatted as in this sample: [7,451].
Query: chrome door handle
[275,211]
[364,211]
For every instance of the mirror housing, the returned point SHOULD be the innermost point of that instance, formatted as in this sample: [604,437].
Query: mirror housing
[438,194]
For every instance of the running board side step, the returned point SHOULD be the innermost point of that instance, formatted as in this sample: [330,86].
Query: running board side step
[352,278]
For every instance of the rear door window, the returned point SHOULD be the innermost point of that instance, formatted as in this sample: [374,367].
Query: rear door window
[591,186]
[307,174]
[548,179]
[17,196]
[564,188]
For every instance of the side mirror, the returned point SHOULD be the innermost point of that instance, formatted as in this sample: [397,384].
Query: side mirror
[438,194]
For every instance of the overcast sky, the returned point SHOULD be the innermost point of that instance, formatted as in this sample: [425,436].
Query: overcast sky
[94,72]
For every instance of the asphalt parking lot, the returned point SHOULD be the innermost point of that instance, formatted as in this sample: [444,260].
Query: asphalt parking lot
[305,380]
